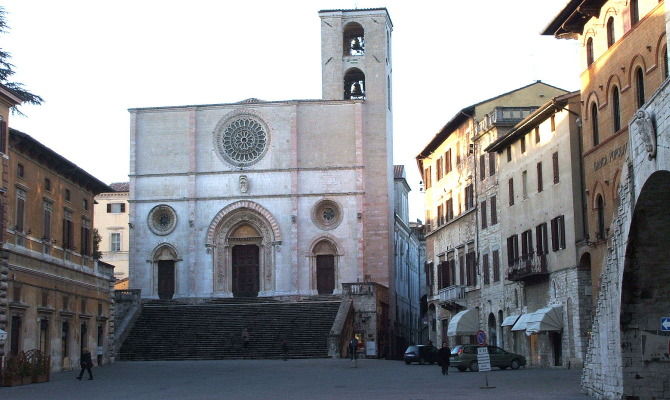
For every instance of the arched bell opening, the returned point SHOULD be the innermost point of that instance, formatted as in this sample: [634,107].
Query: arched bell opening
[645,299]
[353,42]
[354,84]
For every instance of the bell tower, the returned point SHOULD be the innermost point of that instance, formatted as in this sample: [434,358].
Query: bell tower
[356,66]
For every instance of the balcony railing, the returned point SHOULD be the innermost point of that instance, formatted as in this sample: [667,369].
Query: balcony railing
[452,297]
[533,267]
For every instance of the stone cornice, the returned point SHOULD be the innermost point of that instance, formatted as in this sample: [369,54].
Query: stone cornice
[250,197]
[249,171]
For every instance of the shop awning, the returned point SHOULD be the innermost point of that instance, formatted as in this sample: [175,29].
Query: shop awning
[464,323]
[510,320]
[520,324]
[545,319]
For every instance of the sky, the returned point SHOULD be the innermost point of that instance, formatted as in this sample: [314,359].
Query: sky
[93,60]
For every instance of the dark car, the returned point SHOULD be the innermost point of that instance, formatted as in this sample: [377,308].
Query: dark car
[420,353]
[464,356]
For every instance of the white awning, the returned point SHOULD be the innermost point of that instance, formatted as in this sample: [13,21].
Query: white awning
[545,319]
[520,324]
[464,323]
[510,320]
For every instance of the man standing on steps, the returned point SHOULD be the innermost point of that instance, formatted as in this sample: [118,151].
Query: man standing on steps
[245,338]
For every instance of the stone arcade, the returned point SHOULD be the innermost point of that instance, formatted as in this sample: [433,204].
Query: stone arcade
[271,198]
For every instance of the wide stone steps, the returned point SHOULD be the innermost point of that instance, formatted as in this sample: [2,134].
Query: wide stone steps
[169,330]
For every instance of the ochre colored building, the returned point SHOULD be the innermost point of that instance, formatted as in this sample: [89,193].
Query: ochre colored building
[624,55]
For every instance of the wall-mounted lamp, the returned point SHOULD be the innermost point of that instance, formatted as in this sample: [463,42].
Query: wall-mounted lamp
[130,225]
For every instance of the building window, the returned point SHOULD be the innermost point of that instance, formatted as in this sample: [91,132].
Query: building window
[494,211]
[483,210]
[82,303]
[509,154]
[594,124]
[510,185]
[115,241]
[524,184]
[20,210]
[439,169]
[447,162]
[639,87]
[541,239]
[553,122]
[482,167]
[537,134]
[496,266]
[589,51]
[85,237]
[539,177]
[527,245]
[45,299]
[84,204]
[523,144]
[48,212]
[440,215]
[469,197]
[66,303]
[68,231]
[116,208]
[485,267]
[512,250]
[634,12]
[554,159]
[65,338]
[600,212]
[449,209]
[16,293]
[3,136]
[426,181]
[20,171]
[492,164]
[558,233]
[616,110]
[471,268]
[47,184]
[67,195]
[610,32]
[461,267]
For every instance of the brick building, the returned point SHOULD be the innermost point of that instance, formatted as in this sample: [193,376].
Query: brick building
[59,296]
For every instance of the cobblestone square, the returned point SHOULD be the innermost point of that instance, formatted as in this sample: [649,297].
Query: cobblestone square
[298,380]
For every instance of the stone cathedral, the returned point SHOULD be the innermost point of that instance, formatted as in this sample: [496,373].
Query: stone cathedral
[271,198]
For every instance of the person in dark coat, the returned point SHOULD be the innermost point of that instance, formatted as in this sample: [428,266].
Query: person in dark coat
[86,364]
[353,348]
[443,355]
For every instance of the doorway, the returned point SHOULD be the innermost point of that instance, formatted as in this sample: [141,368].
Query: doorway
[245,270]
[165,279]
[557,347]
[325,274]
[84,337]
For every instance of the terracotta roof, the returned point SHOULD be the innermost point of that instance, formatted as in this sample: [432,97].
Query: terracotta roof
[120,186]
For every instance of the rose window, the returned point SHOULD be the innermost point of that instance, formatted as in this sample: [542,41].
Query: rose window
[162,219]
[327,214]
[242,141]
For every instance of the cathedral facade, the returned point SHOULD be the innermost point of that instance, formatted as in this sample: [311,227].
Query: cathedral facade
[271,198]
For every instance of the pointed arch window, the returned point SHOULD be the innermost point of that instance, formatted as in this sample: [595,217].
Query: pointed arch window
[353,39]
[616,110]
[589,51]
[594,124]
[639,86]
[354,84]
[610,32]
[666,72]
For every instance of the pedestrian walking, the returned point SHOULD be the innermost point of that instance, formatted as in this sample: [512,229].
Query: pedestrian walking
[86,364]
[284,349]
[443,355]
[245,338]
[353,349]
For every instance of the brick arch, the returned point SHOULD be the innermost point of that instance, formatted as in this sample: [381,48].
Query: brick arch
[238,206]
[635,62]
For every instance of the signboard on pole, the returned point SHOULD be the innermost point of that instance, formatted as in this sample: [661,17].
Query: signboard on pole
[483,359]
[3,335]
[481,338]
[665,324]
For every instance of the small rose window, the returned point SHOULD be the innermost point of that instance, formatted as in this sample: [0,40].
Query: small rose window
[327,214]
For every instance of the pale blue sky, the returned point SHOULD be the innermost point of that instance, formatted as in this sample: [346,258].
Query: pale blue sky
[93,60]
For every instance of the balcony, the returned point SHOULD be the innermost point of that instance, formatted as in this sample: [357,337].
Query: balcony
[503,116]
[532,269]
[452,297]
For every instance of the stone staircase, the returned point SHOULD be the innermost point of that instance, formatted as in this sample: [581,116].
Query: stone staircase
[170,330]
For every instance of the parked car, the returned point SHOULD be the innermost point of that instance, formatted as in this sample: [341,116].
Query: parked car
[464,356]
[420,353]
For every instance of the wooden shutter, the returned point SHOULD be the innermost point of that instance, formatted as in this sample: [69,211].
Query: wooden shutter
[483,213]
[3,136]
[482,167]
[555,163]
[494,211]
[554,234]
[510,184]
[539,177]
[492,164]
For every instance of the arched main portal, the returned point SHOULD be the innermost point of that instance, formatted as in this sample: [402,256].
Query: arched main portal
[242,239]
[645,298]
